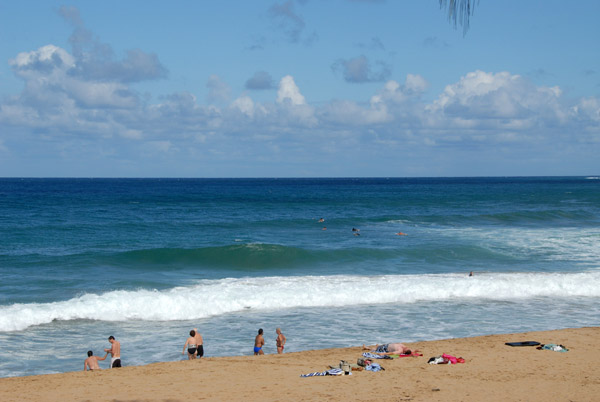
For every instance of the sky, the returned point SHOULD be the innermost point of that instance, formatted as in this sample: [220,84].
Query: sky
[298,88]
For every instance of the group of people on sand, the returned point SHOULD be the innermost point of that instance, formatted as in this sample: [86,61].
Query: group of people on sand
[194,346]
[259,342]
[91,363]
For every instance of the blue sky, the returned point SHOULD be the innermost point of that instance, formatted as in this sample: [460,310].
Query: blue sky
[298,88]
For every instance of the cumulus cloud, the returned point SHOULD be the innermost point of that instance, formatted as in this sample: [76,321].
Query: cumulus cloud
[482,95]
[358,70]
[96,60]
[48,80]
[260,80]
[289,92]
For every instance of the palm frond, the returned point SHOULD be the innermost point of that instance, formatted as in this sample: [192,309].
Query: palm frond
[459,12]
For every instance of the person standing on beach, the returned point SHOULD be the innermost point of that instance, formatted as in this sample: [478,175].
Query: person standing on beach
[91,363]
[259,342]
[191,346]
[280,341]
[199,344]
[115,352]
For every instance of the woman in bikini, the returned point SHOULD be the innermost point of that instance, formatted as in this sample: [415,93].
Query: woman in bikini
[190,344]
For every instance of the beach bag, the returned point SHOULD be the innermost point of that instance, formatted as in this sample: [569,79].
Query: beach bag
[363,362]
[345,366]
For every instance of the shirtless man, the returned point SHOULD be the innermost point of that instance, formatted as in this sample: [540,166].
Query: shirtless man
[280,341]
[91,363]
[259,342]
[390,349]
[199,344]
[190,344]
[115,352]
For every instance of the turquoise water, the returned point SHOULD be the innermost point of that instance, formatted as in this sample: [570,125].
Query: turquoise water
[146,260]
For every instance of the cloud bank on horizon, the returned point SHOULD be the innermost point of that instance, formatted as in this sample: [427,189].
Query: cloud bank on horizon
[79,113]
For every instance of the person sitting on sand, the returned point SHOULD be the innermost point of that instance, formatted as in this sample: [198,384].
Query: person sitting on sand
[199,344]
[190,344]
[280,341]
[390,349]
[259,342]
[91,363]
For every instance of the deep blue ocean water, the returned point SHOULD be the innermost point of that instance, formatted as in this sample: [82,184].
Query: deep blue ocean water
[146,260]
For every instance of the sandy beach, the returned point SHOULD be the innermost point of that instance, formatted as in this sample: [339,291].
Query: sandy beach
[492,372]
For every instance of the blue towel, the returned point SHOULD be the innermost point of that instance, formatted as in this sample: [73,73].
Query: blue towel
[316,373]
[373,367]
[335,371]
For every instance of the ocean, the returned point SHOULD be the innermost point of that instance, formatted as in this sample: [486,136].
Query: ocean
[146,260]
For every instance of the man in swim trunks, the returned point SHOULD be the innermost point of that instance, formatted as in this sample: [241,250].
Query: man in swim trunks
[115,352]
[190,344]
[280,341]
[199,344]
[390,349]
[259,342]
[91,363]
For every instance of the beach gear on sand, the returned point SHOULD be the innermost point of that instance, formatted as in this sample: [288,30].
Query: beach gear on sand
[363,362]
[445,359]
[525,343]
[333,371]
[374,356]
[553,347]
[374,367]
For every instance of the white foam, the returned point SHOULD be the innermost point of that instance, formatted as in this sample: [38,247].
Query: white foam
[216,297]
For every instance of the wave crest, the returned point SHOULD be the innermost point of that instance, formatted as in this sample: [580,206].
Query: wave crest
[215,297]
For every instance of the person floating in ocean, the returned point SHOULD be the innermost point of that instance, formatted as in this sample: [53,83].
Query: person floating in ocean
[355,230]
[322,220]
[199,344]
[324,228]
[280,341]
[91,363]
[115,352]
[259,342]
[190,344]
[401,234]
[390,349]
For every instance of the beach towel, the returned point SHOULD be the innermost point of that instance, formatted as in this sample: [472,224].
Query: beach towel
[333,371]
[317,373]
[374,367]
[374,356]
[553,347]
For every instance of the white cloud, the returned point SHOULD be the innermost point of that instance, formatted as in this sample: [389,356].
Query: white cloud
[289,92]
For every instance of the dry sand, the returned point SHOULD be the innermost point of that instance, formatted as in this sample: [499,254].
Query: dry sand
[492,372]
